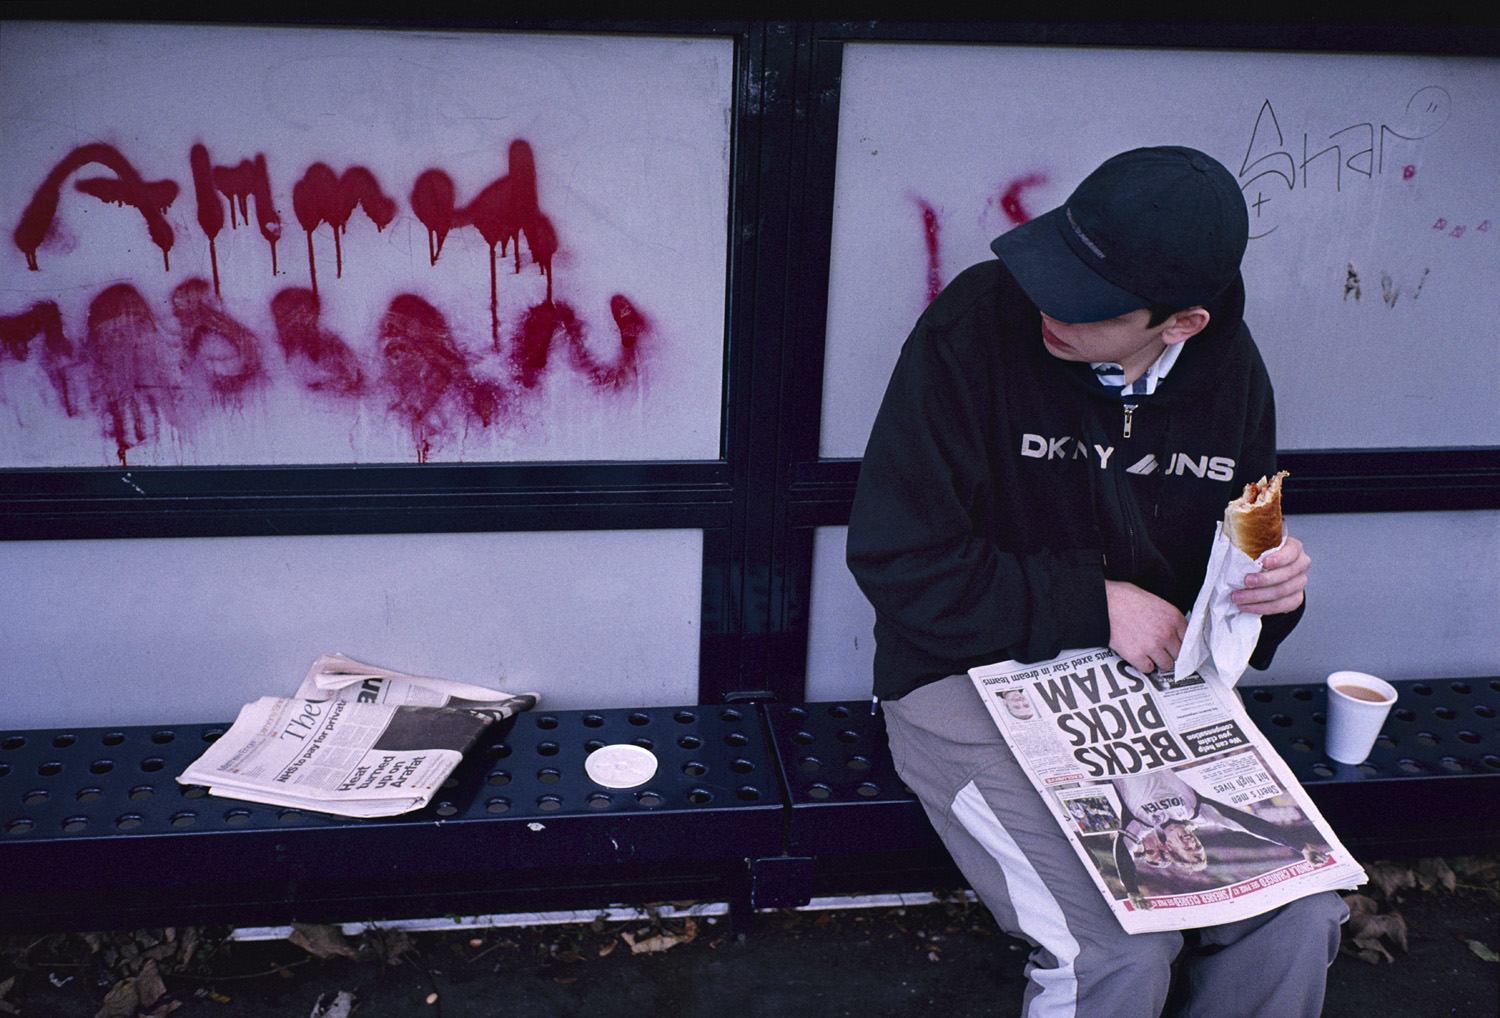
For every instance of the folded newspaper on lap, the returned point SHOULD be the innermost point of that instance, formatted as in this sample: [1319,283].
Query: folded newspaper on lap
[354,740]
[1180,810]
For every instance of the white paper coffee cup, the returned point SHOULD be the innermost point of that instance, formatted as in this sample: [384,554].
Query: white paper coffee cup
[1357,708]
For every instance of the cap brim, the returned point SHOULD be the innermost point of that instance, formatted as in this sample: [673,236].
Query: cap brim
[1058,282]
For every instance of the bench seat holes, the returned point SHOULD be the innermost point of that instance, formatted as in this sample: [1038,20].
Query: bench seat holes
[848,736]
[1409,766]
[186,818]
[1427,739]
[14,742]
[1385,741]
[549,775]
[548,749]
[63,741]
[113,738]
[819,791]
[101,766]
[91,794]
[1281,720]
[140,793]
[446,809]
[838,712]
[1454,764]
[1302,744]
[4,769]
[50,769]
[730,715]
[152,764]
[1446,713]
[1322,770]
[1302,694]
[742,766]
[809,765]
[699,796]
[129,821]
[600,800]
[546,722]
[593,744]
[684,717]
[857,763]
[649,798]
[689,741]
[497,778]
[868,789]
[194,791]
[549,803]
[1470,737]
[736,739]
[290,817]
[497,806]
[797,714]
[163,737]
[593,721]
[1491,761]
[500,751]
[1484,711]
[1422,689]
[1461,687]
[212,734]
[1262,696]
[694,769]
[639,719]
[237,818]
[1369,770]
[747,793]
[35,797]
[645,744]
[1402,714]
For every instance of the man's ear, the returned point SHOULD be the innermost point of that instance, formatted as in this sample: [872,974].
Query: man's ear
[1185,325]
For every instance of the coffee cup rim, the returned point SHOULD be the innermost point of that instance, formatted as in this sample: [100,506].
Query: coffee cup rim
[1363,679]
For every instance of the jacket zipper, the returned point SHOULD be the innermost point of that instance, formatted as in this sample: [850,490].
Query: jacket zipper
[1129,413]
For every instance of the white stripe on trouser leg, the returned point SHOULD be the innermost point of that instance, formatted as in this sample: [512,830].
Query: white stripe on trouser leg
[1037,912]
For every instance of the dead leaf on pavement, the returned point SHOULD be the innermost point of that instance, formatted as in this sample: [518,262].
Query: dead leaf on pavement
[322,941]
[1482,950]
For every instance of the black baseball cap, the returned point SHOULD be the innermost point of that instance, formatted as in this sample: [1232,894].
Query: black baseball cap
[1152,226]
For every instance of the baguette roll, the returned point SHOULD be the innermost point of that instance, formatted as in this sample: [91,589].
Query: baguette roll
[1253,521]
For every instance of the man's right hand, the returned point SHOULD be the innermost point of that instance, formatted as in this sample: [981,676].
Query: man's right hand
[1143,629]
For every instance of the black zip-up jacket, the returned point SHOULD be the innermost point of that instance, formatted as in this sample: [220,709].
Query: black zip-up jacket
[1002,486]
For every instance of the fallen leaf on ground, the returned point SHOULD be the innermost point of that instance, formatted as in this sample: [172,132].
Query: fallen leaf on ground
[1482,950]
[322,941]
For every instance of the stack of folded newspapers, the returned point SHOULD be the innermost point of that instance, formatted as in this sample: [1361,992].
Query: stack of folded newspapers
[353,740]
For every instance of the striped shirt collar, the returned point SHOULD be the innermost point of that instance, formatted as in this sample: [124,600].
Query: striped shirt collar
[1112,376]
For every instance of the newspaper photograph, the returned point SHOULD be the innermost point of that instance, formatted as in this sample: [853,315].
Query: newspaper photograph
[1179,809]
[354,740]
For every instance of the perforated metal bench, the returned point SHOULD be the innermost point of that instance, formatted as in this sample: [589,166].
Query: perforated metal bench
[762,805]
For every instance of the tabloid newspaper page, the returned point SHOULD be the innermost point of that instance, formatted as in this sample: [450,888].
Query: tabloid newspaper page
[354,740]
[1181,812]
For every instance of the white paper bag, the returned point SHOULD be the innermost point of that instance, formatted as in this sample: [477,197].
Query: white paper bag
[1220,637]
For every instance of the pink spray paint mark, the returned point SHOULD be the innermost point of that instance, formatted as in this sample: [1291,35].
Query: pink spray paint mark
[430,382]
[321,196]
[932,228]
[238,184]
[150,198]
[1408,171]
[320,359]
[220,353]
[503,212]
[132,381]
[1010,198]
[41,319]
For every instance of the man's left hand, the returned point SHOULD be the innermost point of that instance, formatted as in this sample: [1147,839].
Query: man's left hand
[1279,586]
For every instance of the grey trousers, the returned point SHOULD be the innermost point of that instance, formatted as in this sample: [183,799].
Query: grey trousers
[1019,863]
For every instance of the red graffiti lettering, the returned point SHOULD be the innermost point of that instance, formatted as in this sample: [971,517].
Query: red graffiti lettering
[150,198]
[1010,198]
[44,319]
[932,232]
[430,382]
[132,379]
[219,352]
[320,359]
[503,212]
[238,184]
[321,196]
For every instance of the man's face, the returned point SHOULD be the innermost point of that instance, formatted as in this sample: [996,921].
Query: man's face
[1016,702]
[1182,842]
[1126,340]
